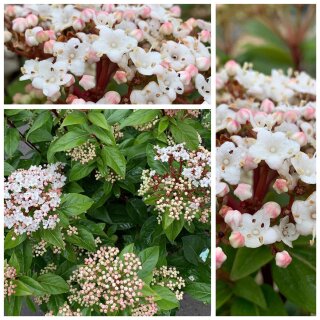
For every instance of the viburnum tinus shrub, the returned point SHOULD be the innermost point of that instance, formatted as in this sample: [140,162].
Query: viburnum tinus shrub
[106,212]
[110,54]
[266,192]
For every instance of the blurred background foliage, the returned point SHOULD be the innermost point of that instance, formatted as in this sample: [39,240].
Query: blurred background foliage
[270,36]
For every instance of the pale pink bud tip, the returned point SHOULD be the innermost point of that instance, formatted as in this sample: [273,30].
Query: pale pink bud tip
[48,46]
[192,70]
[232,68]
[112,97]
[220,257]
[309,113]
[205,36]
[203,63]
[137,34]
[233,126]
[237,239]
[280,186]
[283,259]
[267,106]
[120,77]
[176,11]
[243,191]
[166,28]
[272,209]
[19,24]
[32,20]
[87,82]
[78,24]
[233,218]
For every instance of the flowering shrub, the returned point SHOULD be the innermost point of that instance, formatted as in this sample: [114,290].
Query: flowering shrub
[266,197]
[84,233]
[110,54]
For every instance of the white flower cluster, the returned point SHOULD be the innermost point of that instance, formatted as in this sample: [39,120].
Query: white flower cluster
[169,277]
[31,197]
[83,153]
[266,139]
[149,45]
[184,191]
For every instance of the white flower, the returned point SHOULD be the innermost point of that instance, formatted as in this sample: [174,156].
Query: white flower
[204,87]
[223,115]
[30,70]
[305,167]
[51,76]
[62,18]
[287,231]
[150,94]
[228,159]
[256,230]
[74,53]
[304,214]
[113,43]
[170,83]
[146,62]
[274,148]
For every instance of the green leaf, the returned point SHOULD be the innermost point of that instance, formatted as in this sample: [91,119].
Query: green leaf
[73,204]
[27,286]
[84,239]
[249,260]
[163,124]
[66,142]
[248,289]
[23,256]
[173,229]
[99,120]
[193,245]
[42,119]
[137,210]
[149,258]
[113,158]
[30,304]
[8,169]
[75,117]
[103,135]
[12,306]
[156,165]
[79,171]
[11,141]
[139,117]
[183,132]
[298,282]
[12,240]
[275,306]
[168,299]
[199,291]
[223,293]
[242,307]
[53,284]
[53,237]
[127,249]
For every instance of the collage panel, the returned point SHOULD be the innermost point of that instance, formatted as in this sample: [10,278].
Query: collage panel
[107,54]
[107,212]
[266,160]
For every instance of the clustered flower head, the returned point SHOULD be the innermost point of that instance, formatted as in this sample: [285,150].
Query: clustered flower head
[184,191]
[169,277]
[193,113]
[148,308]
[31,198]
[266,127]
[84,153]
[10,274]
[76,50]
[107,282]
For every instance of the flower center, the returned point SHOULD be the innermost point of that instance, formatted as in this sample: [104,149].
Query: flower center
[273,149]
[255,232]
[52,80]
[113,45]
[226,161]
[313,215]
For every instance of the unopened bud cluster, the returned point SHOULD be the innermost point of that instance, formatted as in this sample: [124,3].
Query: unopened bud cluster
[84,153]
[10,274]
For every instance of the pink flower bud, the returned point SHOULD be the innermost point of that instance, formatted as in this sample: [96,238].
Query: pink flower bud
[243,115]
[309,113]
[224,210]
[108,7]
[10,11]
[203,63]
[78,24]
[232,68]
[70,98]
[112,97]
[280,186]
[220,257]
[32,20]
[118,15]
[272,209]
[48,46]
[233,218]
[176,11]
[267,106]
[70,82]
[42,36]
[185,77]
[120,77]
[300,137]
[19,24]
[243,191]
[166,28]
[249,163]
[222,189]
[283,259]
[51,34]
[205,36]
[87,82]
[7,36]
[219,83]
[278,116]
[137,34]
[290,116]
[87,14]
[233,126]
[237,239]
[129,15]
[191,23]
[145,12]
[192,70]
